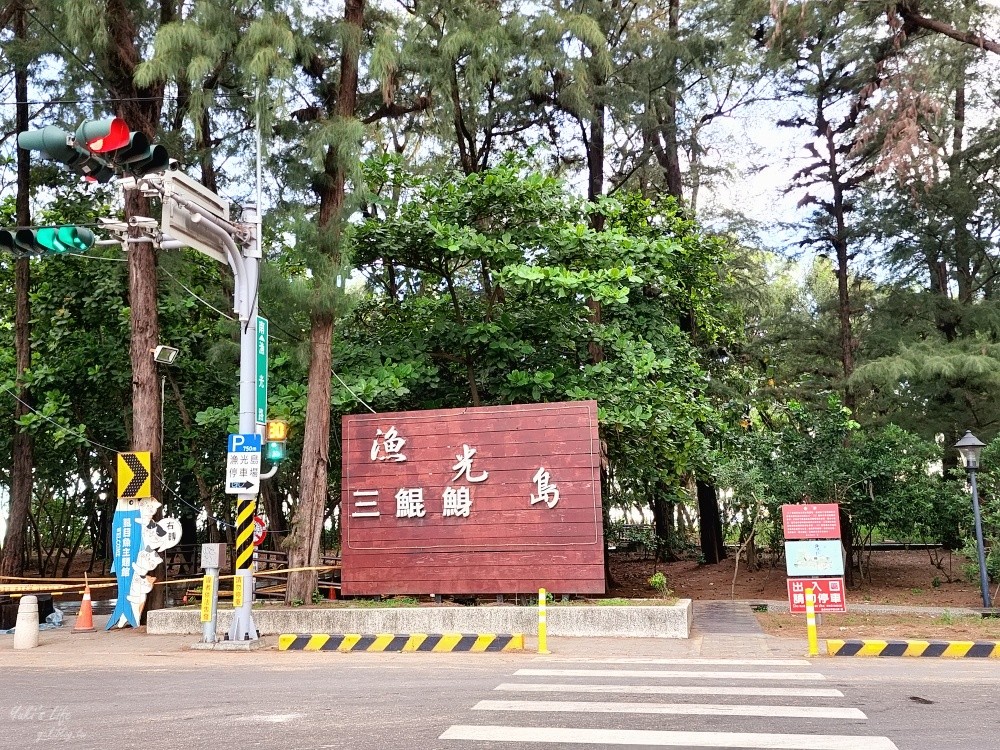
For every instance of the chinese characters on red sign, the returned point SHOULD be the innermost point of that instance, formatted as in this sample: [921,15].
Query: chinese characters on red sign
[490,500]
[811,521]
[829,594]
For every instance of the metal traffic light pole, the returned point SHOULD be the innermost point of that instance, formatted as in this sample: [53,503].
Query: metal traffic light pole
[246,272]
[195,217]
[243,626]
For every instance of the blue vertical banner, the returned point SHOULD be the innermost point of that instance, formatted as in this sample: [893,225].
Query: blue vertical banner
[125,543]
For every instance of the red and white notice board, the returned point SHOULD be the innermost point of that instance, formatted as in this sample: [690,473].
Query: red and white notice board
[819,523]
[503,499]
[811,521]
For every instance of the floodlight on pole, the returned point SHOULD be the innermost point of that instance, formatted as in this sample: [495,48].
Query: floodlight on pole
[165,355]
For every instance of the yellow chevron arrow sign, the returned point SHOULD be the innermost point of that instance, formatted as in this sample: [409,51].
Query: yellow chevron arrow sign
[134,475]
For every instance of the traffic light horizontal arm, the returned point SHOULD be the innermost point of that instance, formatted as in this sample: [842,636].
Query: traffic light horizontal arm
[219,229]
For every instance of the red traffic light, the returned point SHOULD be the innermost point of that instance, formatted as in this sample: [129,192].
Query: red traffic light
[101,136]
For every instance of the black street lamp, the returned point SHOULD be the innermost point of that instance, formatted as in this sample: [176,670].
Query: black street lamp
[969,447]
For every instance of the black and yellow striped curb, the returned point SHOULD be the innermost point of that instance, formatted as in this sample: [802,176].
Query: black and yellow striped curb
[947,649]
[409,642]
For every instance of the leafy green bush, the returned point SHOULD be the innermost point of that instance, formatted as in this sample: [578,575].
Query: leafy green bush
[659,582]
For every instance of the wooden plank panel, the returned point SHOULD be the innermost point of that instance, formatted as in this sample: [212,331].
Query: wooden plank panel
[506,543]
[443,574]
[574,413]
[481,535]
[570,555]
[515,466]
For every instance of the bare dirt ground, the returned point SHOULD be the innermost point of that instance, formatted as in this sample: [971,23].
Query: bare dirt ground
[885,627]
[895,577]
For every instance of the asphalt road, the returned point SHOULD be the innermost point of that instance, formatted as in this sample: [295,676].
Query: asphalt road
[363,701]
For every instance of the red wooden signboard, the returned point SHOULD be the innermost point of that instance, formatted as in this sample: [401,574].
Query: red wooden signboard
[494,500]
[811,521]
[829,594]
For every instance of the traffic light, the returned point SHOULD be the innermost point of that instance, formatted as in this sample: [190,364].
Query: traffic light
[112,139]
[8,243]
[276,433]
[58,145]
[101,136]
[57,240]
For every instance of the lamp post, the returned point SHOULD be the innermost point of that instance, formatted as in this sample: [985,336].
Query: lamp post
[969,447]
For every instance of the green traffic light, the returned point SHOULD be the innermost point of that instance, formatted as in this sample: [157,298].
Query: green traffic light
[58,240]
[7,241]
[275,452]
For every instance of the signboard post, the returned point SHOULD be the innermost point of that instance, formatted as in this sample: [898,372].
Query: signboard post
[243,465]
[243,479]
[814,558]
[213,557]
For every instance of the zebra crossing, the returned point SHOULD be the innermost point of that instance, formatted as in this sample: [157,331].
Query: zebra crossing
[749,704]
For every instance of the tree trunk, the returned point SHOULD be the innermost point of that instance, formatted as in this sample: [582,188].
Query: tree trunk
[303,542]
[271,501]
[307,528]
[841,249]
[710,523]
[595,154]
[671,158]
[140,108]
[12,559]
[146,401]
[663,523]
[847,537]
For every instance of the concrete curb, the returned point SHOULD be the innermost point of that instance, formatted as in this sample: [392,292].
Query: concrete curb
[654,621]
[946,649]
[475,642]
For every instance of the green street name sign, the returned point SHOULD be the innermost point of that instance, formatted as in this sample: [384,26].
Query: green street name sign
[261,410]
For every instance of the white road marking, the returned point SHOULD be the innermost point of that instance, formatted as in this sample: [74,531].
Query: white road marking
[661,674]
[678,662]
[269,718]
[551,687]
[652,738]
[677,709]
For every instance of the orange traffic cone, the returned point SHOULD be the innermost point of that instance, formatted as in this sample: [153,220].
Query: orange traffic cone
[85,620]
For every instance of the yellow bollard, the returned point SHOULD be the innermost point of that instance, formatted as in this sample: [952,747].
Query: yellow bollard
[811,622]
[543,646]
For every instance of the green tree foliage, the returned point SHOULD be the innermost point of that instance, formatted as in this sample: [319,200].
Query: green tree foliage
[880,476]
[480,284]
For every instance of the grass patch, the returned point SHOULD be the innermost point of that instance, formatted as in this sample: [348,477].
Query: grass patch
[618,602]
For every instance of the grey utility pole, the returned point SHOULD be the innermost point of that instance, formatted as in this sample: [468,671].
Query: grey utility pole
[195,217]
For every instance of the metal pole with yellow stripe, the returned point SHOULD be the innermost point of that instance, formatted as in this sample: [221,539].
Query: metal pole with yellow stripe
[243,563]
[811,622]
[543,644]
[243,628]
